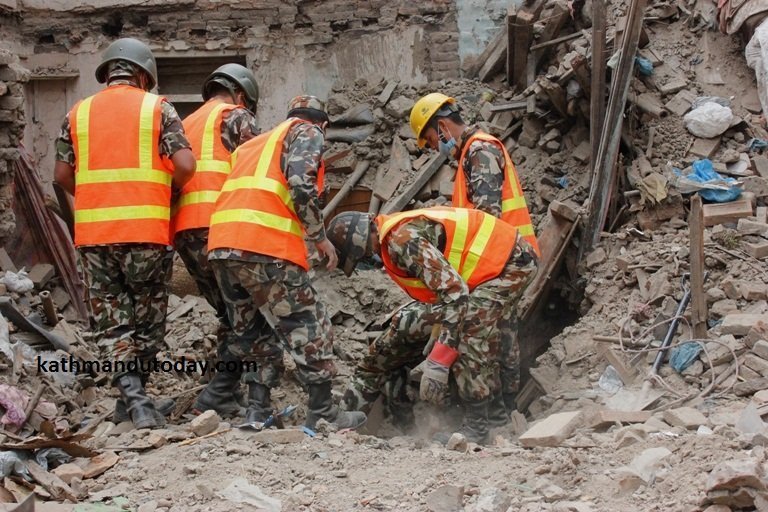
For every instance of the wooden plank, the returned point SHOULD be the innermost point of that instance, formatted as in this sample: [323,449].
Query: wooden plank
[548,39]
[597,86]
[398,203]
[361,168]
[399,167]
[698,299]
[582,73]
[505,107]
[601,190]
[520,34]
[493,58]
[727,212]
[625,370]
[553,241]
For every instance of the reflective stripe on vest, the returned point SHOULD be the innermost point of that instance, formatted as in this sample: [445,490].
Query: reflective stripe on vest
[513,207]
[122,187]
[254,211]
[198,197]
[477,246]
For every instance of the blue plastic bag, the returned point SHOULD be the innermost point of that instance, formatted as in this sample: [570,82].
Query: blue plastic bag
[644,65]
[684,355]
[703,172]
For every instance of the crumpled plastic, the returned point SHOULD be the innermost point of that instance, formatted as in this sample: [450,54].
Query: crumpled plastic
[644,65]
[684,355]
[12,463]
[17,282]
[708,120]
[756,144]
[51,457]
[710,185]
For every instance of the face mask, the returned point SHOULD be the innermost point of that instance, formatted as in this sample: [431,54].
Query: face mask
[445,147]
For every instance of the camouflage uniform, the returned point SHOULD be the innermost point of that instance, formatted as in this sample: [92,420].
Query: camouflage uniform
[282,290]
[468,320]
[127,282]
[238,126]
[484,172]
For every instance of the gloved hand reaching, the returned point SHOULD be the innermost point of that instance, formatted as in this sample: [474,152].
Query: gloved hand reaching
[433,387]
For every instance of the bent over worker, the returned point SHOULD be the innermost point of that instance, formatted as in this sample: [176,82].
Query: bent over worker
[267,206]
[468,266]
[119,153]
[225,121]
[486,180]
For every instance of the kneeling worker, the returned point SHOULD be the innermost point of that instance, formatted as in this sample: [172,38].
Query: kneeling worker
[469,266]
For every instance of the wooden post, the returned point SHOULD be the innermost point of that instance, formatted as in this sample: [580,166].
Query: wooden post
[597,88]
[698,299]
[601,191]
[346,188]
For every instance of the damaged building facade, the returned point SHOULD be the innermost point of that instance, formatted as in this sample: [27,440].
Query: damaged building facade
[292,47]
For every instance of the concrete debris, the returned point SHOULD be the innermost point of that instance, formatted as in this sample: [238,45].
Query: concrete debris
[446,498]
[204,424]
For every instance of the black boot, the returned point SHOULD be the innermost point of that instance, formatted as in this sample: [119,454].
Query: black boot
[497,411]
[321,407]
[510,401]
[138,405]
[164,406]
[219,395]
[259,406]
[475,425]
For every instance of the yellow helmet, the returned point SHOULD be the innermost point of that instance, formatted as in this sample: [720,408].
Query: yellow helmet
[423,111]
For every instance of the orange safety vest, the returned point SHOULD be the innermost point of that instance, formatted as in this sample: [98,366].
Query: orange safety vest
[254,211]
[478,245]
[122,184]
[514,211]
[198,197]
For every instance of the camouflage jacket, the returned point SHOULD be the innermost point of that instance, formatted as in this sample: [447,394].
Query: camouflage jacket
[484,171]
[300,161]
[416,247]
[238,126]
[172,137]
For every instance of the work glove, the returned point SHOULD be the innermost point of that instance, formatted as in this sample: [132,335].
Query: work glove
[433,387]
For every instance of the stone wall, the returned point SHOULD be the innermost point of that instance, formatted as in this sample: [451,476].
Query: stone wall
[12,77]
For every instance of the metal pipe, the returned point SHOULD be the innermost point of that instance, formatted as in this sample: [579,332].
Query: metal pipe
[49,308]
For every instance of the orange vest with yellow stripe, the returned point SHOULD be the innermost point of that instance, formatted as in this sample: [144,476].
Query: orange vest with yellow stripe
[198,197]
[254,211]
[478,245]
[122,184]
[514,211]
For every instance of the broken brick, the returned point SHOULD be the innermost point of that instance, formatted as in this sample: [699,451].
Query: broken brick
[552,430]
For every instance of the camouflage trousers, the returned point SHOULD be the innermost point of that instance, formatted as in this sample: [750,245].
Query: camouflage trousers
[192,246]
[128,298]
[482,353]
[281,293]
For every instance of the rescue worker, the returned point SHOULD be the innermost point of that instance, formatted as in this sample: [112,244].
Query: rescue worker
[468,267]
[225,121]
[120,153]
[267,206]
[486,180]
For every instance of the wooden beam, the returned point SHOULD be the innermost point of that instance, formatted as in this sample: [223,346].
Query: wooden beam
[552,42]
[493,58]
[597,87]
[398,203]
[520,34]
[548,39]
[399,167]
[698,299]
[604,176]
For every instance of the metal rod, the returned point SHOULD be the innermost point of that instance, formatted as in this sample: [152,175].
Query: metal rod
[49,308]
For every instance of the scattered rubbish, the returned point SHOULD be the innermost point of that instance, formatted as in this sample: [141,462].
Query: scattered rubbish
[17,282]
[610,381]
[644,65]
[710,185]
